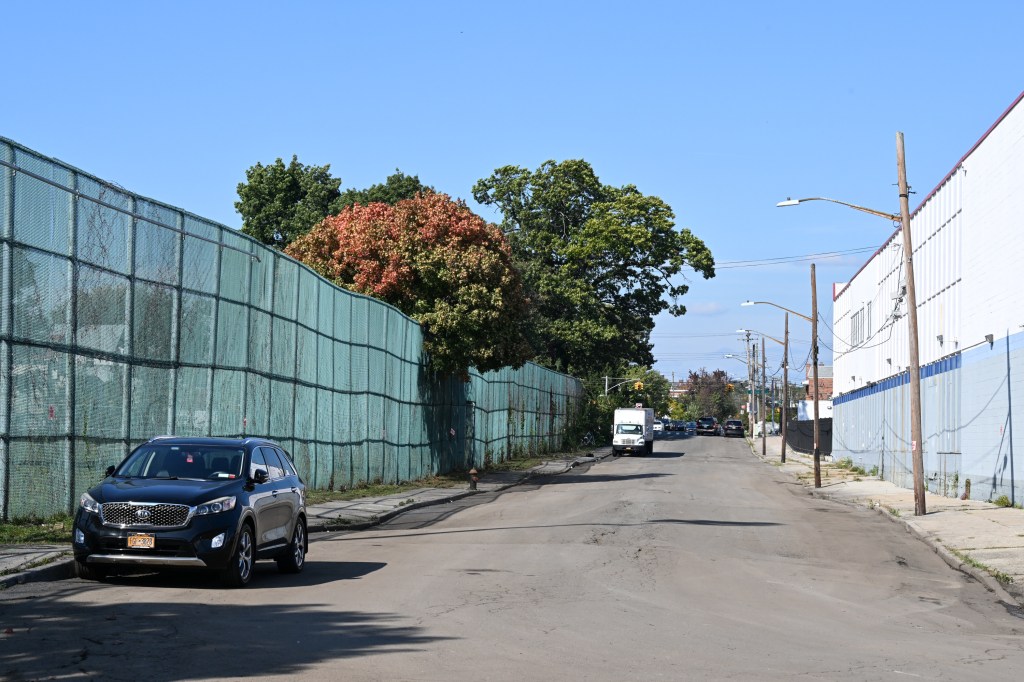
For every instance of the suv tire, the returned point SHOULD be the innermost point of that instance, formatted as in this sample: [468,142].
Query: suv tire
[294,557]
[88,572]
[238,572]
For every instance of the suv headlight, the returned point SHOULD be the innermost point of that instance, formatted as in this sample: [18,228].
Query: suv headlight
[217,506]
[88,504]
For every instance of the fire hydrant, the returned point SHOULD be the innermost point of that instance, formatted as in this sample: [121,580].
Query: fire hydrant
[473,478]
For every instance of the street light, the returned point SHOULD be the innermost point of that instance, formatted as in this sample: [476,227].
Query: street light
[814,367]
[785,386]
[793,202]
[916,444]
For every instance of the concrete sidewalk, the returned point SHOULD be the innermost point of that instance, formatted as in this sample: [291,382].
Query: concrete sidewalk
[978,538]
[28,563]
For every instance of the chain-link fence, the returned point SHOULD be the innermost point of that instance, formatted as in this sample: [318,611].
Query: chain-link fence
[122,318]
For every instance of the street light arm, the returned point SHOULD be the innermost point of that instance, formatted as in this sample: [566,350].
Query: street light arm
[895,217]
[754,331]
[800,315]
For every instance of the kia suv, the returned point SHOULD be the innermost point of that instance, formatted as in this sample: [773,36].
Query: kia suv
[207,503]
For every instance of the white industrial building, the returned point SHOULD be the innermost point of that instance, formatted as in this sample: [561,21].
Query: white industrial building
[968,239]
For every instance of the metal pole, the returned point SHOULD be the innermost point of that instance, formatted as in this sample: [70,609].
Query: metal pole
[764,382]
[814,361]
[916,443]
[785,388]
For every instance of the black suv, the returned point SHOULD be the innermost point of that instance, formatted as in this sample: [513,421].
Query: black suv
[707,426]
[733,427]
[213,503]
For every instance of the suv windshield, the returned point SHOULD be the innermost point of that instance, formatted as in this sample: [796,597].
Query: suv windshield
[203,462]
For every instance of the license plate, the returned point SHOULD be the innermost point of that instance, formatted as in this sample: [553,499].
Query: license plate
[141,541]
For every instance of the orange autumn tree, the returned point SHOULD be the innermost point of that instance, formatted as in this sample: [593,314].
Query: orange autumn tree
[437,262]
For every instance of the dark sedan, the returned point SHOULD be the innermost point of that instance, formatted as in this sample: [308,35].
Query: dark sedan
[733,427]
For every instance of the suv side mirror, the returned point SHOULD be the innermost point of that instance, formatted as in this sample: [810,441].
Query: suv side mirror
[261,476]
[110,470]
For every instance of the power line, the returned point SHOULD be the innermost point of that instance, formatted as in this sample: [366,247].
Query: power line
[762,262]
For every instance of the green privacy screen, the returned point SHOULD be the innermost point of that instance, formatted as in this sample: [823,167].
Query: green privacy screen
[123,318]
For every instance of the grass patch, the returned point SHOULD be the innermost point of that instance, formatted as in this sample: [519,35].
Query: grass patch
[55,530]
[385,489]
[894,511]
[998,575]
[518,464]
[450,480]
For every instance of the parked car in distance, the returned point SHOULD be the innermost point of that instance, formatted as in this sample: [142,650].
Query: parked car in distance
[733,427]
[208,503]
[659,427]
[690,427]
[707,426]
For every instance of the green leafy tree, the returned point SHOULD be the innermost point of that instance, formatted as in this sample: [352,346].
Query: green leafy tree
[436,261]
[710,395]
[278,203]
[395,188]
[598,261]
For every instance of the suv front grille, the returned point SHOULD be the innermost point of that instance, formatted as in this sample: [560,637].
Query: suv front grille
[145,515]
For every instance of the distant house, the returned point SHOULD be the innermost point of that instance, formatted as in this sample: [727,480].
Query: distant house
[824,388]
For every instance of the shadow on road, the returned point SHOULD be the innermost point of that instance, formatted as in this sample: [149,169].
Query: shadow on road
[713,522]
[265,576]
[155,640]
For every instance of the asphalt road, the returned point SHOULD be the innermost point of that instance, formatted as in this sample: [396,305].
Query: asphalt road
[700,562]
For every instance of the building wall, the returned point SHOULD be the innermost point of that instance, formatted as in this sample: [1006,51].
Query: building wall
[967,238]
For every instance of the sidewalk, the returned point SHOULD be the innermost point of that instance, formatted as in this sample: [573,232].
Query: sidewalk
[978,538]
[30,563]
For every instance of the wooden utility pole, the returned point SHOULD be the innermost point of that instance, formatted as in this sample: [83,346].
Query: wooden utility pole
[764,382]
[814,371]
[916,443]
[750,389]
[785,388]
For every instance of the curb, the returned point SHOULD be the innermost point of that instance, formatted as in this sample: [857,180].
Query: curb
[388,515]
[59,569]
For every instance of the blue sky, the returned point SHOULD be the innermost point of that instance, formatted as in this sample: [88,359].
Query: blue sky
[721,109]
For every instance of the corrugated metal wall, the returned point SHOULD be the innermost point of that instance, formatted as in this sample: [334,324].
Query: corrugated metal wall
[967,255]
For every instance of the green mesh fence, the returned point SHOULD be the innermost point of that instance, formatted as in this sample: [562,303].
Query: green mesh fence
[123,318]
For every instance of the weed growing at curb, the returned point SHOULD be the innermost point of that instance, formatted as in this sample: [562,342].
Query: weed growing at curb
[998,575]
[894,511]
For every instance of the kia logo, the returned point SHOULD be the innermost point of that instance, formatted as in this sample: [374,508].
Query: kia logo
[142,514]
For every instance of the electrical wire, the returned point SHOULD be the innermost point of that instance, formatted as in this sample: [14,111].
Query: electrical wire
[763,262]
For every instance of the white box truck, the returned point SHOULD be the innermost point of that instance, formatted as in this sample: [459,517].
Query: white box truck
[633,431]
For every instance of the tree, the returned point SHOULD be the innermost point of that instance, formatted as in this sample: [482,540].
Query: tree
[710,394]
[597,261]
[436,261]
[278,203]
[394,189]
